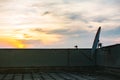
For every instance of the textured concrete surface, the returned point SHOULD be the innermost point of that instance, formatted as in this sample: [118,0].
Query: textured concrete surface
[56,76]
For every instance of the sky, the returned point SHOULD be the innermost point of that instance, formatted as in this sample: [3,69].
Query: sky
[58,23]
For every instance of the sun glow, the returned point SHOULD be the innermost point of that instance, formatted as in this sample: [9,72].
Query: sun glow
[11,43]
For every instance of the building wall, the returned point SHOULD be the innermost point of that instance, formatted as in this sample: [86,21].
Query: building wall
[43,57]
[106,56]
[109,56]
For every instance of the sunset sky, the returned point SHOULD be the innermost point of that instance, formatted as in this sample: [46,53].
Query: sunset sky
[58,23]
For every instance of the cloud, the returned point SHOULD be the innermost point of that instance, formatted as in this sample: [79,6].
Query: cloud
[113,32]
[37,30]
[45,13]
[68,32]
[68,20]
[42,36]
[106,41]
[111,2]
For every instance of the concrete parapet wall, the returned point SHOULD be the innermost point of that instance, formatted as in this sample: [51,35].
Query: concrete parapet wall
[44,57]
[107,59]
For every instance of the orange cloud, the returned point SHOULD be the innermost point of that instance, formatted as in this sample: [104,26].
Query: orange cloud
[11,43]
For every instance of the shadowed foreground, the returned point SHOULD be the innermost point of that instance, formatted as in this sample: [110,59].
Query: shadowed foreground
[56,76]
[60,64]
